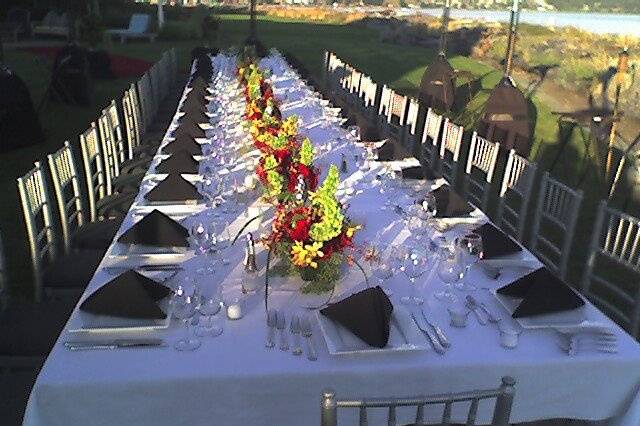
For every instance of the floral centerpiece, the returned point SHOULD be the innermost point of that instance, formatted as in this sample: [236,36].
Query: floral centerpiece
[312,237]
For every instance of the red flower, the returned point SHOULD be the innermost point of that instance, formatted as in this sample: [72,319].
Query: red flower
[282,155]
[300,230]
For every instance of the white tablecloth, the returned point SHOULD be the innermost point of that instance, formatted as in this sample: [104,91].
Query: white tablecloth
[234,380]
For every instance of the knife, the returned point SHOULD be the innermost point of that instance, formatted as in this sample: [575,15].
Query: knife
[114,344]
[434,340]
[441,336]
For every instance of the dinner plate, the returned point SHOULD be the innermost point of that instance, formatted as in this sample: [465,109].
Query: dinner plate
[571,318]
[91,323]
[341,341]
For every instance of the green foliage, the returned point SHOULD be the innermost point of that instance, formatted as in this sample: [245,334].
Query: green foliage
[306,152]
[325,199]
[176,30]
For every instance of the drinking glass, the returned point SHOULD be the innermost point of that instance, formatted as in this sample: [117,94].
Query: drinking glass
[184,309]
[199,236]
[381,266]
[448,271]
[469,249]
[414,266]
[209,306]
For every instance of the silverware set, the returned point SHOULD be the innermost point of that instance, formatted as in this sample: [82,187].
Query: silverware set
[480,310]
[114,344]
[299,326]
[596,339]
[434,333]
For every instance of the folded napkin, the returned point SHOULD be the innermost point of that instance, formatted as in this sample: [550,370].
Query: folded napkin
[188,108]
[369,133]
[203,72]
[180,162]
[190,129]
[196,117]
[183,142]
[198,82]
[496,243]
[449,203]
[195,98]
[366,314]
[542,293]
[129,295]
[156,229]
[418,172]
[173,188]
[385,152]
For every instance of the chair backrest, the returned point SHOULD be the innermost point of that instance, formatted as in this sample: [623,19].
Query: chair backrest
[397,109]
[345,81]
[610,279]
[113,120]
[368,91]
[356,78]
[109,152]
[93,169]
[173,62]
[145,100]
[515,195]
[451,143]
[481,163]
[430,139]
[36,208]
[156,85]
[139,23]
[503,397]
[385,99]
[554,223]
[131,120]
[66,187]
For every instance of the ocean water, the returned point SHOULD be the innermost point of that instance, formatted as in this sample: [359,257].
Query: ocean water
[601,23]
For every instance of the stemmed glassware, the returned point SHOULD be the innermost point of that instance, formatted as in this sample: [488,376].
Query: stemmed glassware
[469,250]
[449,270]
[184,308]
[209,306]
[381,264]
[414,266]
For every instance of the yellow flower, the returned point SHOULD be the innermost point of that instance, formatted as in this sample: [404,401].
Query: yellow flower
[352,230]
[305,255]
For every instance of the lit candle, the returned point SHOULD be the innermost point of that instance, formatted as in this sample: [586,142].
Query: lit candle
[234,310]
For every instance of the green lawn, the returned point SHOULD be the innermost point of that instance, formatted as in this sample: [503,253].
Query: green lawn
[399,66]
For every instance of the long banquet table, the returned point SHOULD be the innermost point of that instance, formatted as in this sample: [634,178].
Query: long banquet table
[234,380]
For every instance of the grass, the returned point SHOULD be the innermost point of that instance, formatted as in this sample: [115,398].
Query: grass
[399,66]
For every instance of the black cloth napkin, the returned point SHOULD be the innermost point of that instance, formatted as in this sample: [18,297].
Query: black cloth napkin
[180,162]
[366,314]
[129,295]
[385,152]
[542,293]
[195,98]
[496,243]
[198,83]
[183,142]
[449,203]
[369,133]
[173,188]
[418,172]
[189,128]
[196,117]
[190,108]
[156,229]
[204,72]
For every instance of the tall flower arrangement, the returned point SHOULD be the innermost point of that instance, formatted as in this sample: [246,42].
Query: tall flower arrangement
[311,235]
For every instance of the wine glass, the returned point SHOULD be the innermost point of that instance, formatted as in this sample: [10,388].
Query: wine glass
[418,227]
[448,270]
[381,265]
[184,308]
[209,307]
[199,236]
[414,266]
[469,250]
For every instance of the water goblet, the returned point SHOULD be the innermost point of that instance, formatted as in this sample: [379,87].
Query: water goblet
[469,250]
[209,306]
[414,266]
[184,309]
[381,267]
[448,271]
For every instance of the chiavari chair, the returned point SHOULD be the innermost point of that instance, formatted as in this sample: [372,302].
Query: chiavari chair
[610,279]
[515,195]
[450,150]
[101,202]
[430,148]
[77,231]
[554,224]
[481,164]
[502,398]
[53,274]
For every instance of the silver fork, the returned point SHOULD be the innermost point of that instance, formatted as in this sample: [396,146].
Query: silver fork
[307,333]
[602,341]
[294,329]
[272,321]
[281,324]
